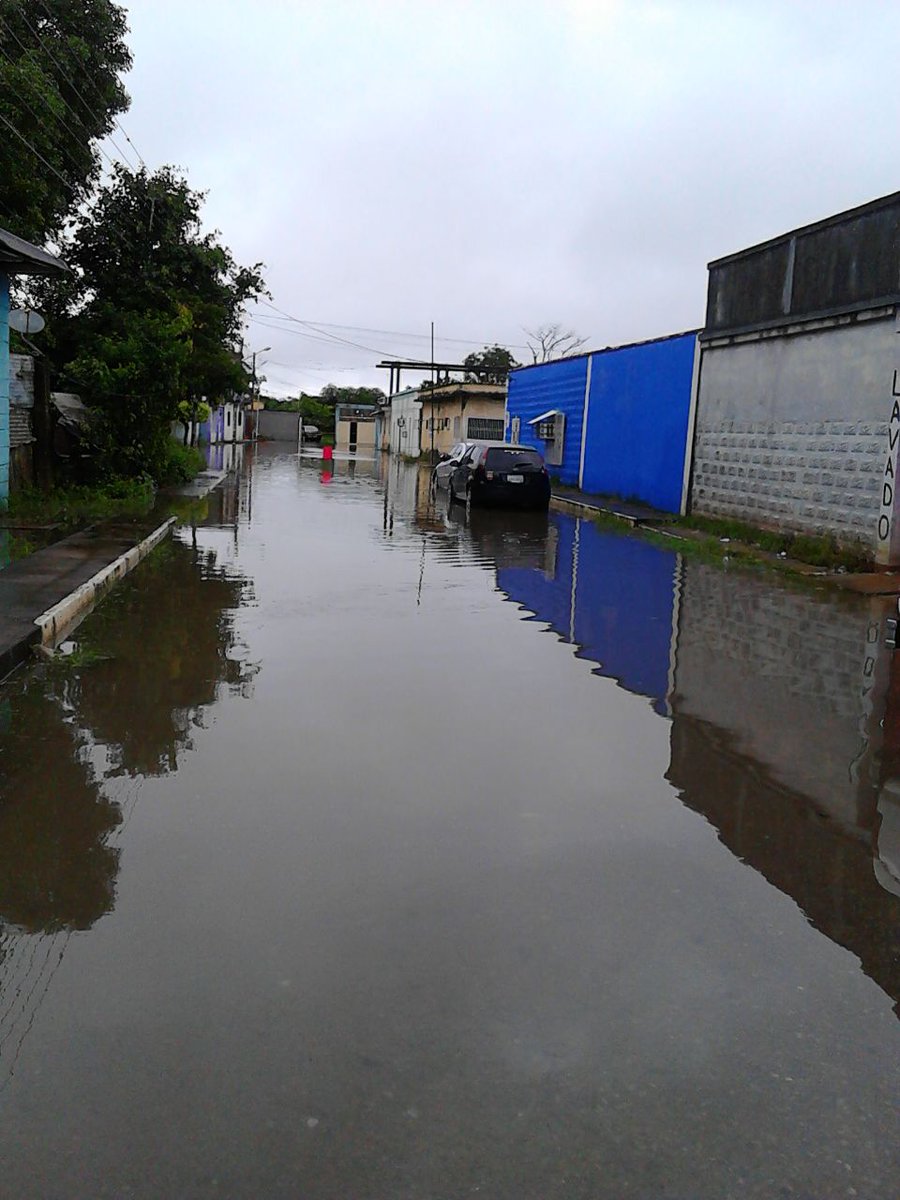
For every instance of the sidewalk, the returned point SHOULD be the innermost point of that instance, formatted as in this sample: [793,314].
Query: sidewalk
[44,593]
[885,582]
[631,514]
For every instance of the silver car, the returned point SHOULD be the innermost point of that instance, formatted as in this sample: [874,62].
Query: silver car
[447,463]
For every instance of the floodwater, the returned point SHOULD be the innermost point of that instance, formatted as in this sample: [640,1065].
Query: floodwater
[363,851]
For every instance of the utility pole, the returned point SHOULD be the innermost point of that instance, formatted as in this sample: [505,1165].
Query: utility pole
[432,393]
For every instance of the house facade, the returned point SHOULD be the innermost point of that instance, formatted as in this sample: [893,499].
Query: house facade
[613,422]
[355,428]
[404,423]
[798,413]
[460,412]
[17,257]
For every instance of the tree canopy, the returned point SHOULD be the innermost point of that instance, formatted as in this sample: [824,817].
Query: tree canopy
[60,93]
[154,317]
[490,365]
[548,342]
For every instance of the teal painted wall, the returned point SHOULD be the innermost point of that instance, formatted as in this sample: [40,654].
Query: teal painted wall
[4,388]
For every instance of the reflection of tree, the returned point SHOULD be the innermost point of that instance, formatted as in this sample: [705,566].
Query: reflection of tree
[56,872]
[170,640]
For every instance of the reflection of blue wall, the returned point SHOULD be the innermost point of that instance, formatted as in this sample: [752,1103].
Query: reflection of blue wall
[535,390]
[640,398]
[624,595]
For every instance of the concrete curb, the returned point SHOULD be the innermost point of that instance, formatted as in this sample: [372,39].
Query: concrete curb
[579,509]
[72,608]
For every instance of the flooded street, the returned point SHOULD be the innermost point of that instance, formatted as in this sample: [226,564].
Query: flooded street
[366,851]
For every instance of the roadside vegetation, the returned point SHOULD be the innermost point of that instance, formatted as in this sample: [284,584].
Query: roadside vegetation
[723,541]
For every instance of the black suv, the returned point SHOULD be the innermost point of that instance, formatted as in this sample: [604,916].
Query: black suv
[497,473]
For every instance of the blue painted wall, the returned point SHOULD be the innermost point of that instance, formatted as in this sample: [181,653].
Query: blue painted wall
[534,390]
[4,389]
[640,399]
[613,597]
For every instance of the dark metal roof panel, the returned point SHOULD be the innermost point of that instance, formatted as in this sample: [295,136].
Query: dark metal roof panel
[18,257]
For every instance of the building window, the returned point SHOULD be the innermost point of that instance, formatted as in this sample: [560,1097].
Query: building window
[227,417]
[484,429]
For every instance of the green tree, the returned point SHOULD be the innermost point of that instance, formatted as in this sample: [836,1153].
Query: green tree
[157,315]
[60,92]
[490,365]
[332,394]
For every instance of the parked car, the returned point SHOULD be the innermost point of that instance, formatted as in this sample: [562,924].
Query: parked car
[497,473]
[447,464]
[311,433]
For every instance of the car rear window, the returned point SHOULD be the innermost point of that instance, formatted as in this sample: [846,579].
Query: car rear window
[501,458]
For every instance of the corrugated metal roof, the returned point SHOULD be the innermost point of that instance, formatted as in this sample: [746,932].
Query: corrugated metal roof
[18,257]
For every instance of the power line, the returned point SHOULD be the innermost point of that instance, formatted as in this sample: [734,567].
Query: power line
[68,79]
[97,92]
[55,115]
[394,332]
[49,165]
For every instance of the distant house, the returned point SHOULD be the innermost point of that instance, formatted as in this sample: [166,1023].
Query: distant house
[17,257]
[434,419]
[404,423]
[458,412]
[227,422]
[613,422]
[355,427]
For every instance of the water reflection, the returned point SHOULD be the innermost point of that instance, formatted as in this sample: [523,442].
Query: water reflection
[171,648]
[150,662]
[785,710]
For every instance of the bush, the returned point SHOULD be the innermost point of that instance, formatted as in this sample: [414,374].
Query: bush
[74,506]
[181,464]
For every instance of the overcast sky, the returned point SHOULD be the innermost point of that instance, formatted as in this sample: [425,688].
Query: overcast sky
[492,166]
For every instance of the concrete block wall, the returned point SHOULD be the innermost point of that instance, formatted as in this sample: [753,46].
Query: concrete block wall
[792,431]
[805,476]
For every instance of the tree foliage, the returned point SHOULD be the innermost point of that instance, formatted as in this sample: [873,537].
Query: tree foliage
[157,314]
[332,394]
[490,365]
[60,92]
[548,342]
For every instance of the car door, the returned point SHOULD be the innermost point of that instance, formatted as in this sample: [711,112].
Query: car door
[459,477]
[445,469]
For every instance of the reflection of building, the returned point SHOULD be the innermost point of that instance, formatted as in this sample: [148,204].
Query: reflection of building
[785,709]
[614,597]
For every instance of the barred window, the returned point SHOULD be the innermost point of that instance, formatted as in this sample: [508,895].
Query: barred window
[485,429]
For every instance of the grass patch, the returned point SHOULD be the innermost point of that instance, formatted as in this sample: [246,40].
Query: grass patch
[77,506]
[819,551]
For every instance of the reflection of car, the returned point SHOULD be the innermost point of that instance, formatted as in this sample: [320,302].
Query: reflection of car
[311,433]
[497,473]
[440,476]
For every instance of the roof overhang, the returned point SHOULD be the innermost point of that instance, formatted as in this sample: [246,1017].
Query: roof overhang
[18,257]
[551,412]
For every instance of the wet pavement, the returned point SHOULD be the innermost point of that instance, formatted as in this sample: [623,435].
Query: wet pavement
[363,849]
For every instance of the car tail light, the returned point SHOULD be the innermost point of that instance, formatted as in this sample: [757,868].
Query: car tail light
[489,475]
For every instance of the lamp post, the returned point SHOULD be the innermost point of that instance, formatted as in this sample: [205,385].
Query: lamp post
[253,385]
